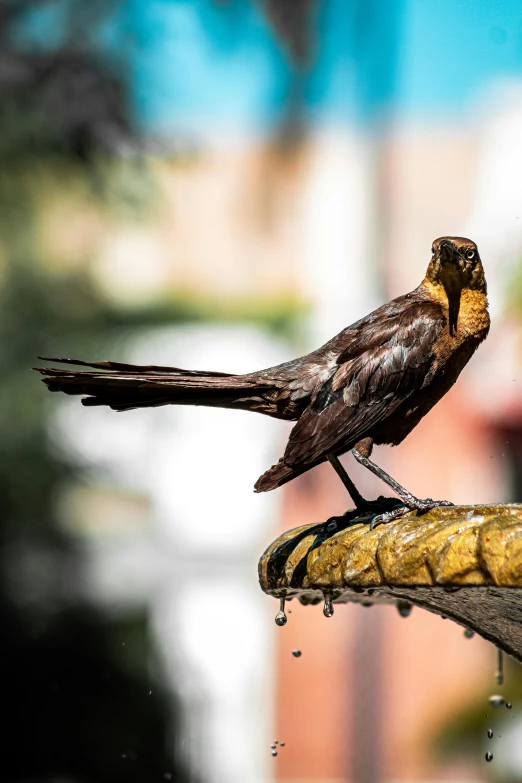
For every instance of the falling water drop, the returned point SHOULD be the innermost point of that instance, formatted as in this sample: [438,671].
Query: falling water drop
[496,701]
[499,674]
[280,618]
[404,608]
[328,608]
[469,634]
[509,705]
[274,752]
[490,733]
[296,653]
[489,756]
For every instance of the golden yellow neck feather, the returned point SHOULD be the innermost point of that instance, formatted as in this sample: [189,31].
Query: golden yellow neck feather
[473,314]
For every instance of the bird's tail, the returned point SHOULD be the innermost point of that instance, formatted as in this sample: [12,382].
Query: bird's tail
[280,474]
[126,386]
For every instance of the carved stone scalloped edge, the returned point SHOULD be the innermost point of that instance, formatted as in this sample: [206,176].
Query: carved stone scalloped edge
[462,562]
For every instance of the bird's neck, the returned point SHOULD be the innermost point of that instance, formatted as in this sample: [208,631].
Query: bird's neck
[466,308]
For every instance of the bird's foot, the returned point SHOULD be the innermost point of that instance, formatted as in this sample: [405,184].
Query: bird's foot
[380,504]
[389,516]
[376,511]
[416,504]
[383,510]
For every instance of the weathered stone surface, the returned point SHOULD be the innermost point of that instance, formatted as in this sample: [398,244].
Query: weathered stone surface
[463,562]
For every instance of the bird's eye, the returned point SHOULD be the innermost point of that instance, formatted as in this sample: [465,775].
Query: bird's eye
[470,255]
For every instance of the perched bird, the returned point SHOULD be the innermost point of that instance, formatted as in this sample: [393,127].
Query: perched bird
[371,384]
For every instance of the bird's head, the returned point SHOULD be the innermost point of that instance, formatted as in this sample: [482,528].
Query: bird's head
[455,265]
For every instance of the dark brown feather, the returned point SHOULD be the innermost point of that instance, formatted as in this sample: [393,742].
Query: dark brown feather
[390,361]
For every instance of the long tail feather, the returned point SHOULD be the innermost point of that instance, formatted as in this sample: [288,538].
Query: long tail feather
[127,386]
[131,369]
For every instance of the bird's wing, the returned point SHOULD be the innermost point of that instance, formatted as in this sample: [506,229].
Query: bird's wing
[381,362]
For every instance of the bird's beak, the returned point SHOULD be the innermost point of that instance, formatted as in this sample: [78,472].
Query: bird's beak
[448,252]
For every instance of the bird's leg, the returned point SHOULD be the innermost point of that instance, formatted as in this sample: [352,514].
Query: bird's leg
[380,510]
[354,493]
[408,499]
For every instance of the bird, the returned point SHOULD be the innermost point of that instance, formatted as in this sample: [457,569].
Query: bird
[369,385]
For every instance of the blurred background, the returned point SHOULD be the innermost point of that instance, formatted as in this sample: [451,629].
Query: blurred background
[225,184]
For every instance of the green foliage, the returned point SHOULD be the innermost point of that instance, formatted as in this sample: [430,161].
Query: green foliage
[77,712]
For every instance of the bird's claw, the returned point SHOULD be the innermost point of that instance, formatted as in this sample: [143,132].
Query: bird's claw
[382,510]
[377,511]
[427,504]
[389,516]
[395,513]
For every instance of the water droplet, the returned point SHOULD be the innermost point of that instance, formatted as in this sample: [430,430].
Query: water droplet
[509,705]
[499,674]
[489,756]
[124,755]
[469,634]
[150,693]
[282,744]
[274,752]
[404,608]
[490,733]
[280,618]
[167,775]
[328,609]
[273,745]
[296,653]
[496,701]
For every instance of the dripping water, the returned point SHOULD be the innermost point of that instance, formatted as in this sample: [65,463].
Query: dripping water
[499,674]
[280,618]
[328,608]
[404,608]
